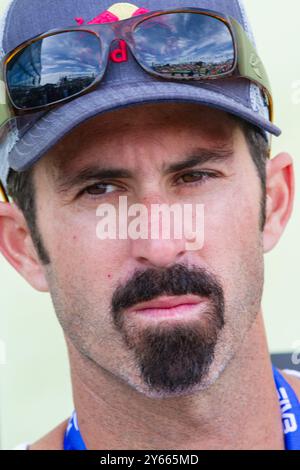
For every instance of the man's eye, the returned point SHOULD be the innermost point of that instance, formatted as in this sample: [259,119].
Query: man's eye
[100,188]
[197,177]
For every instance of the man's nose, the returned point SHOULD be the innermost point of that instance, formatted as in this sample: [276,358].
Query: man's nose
[160,253]
[162,244]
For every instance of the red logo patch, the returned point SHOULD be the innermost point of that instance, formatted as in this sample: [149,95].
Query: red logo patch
[120,53]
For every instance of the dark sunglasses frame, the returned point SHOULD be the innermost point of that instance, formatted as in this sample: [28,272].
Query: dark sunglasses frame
[247,63]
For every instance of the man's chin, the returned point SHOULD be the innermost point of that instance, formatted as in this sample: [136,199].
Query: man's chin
[183,391]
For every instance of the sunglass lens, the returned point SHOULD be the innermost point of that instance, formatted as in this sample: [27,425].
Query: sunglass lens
[185,46]
[54,68]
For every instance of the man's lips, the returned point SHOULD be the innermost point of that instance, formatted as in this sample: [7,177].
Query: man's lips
[169,306]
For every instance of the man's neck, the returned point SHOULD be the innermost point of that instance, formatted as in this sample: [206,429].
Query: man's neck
[237,412]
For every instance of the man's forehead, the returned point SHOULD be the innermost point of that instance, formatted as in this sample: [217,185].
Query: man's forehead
[94,138]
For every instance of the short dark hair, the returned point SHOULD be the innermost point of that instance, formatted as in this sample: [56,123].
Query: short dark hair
[259,149]
[20,186]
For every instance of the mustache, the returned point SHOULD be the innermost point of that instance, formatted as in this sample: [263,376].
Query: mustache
[175,280]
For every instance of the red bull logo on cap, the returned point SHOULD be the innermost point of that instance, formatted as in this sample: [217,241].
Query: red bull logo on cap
[117,12]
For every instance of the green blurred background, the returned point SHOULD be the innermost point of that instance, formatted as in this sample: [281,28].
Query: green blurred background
[35,392]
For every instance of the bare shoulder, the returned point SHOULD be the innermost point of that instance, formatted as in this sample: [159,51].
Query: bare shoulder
[294,382]
[53,440]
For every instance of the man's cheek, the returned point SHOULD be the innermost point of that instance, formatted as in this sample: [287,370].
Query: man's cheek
[83,255]
[230,225]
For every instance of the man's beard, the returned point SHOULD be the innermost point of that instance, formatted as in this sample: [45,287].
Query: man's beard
[172,357]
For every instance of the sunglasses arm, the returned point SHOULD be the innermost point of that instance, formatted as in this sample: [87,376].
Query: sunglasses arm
[5,111]
[5,115]
[250,64]
[3,194]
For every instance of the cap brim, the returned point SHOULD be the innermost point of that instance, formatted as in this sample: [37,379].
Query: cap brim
[57,123]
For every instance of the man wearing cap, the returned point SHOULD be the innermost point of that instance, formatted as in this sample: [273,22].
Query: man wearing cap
[163,102]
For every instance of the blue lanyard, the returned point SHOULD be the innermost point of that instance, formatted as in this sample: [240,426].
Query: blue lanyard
[73,439]
[290,413]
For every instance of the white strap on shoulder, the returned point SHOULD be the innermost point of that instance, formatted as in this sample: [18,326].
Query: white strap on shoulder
[295,373]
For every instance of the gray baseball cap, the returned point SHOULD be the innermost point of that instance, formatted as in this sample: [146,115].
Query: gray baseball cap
[27,138]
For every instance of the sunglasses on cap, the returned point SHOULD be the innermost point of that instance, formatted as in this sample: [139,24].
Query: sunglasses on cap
[189,44]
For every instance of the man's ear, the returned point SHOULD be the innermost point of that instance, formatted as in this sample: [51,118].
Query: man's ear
[17,246]
[280,198]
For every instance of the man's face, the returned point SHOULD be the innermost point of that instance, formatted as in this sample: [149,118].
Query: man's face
[97,284]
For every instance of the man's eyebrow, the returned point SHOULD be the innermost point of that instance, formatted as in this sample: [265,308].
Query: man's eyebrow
[91,173]
[198,156]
